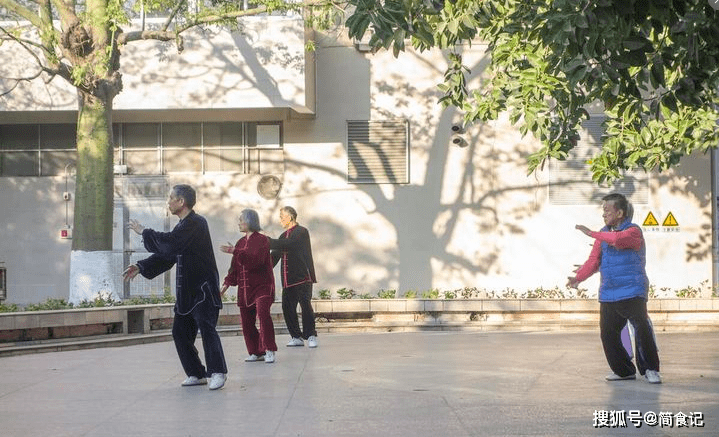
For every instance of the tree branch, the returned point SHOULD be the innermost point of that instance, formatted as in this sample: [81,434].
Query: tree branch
[18,9]
[211,19]
[61,69]
[159,35]
[172,15]
[66,11]
[168,35]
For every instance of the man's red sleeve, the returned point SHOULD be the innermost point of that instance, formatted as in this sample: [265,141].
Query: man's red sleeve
[630,238]
[591,266]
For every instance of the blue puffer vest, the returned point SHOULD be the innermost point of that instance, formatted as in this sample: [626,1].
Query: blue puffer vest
[623,273]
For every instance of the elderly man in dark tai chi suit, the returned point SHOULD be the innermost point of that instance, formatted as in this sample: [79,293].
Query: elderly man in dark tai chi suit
[197,289]
[298,274]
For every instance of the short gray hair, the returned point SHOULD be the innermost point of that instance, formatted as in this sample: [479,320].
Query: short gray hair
[252,219]
[186,192]
[291,211]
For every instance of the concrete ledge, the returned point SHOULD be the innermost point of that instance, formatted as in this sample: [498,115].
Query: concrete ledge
[22,329]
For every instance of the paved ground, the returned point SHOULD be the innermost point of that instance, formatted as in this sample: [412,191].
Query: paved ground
[391,384]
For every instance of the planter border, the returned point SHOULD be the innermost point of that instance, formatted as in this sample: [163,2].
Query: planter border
[359,315]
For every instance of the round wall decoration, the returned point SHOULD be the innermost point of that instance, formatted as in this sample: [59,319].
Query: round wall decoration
[269,186]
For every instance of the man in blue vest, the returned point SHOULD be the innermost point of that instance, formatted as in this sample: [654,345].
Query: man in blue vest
[619,254]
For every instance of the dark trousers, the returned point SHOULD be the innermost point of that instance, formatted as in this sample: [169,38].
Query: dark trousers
[184,332]
[291,296]
[258,341]
[613,316]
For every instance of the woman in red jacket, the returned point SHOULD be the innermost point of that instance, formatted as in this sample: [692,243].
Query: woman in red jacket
[251,272]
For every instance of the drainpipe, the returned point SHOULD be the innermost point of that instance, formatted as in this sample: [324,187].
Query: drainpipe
[715,220]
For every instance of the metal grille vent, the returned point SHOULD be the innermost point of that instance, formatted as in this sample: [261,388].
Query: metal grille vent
[378,151]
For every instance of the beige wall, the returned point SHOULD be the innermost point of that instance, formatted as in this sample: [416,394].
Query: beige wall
[37,260]
[263,67]
[470,217]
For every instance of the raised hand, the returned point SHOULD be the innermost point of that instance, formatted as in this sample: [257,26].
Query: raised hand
[130,272]
[584,229]
[135,226]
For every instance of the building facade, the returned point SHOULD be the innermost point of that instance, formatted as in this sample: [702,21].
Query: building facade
[396,195]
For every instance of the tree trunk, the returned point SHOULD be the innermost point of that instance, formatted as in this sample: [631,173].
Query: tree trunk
[91,272]
[94,191]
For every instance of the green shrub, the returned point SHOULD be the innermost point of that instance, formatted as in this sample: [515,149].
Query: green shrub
[49,304]
[508,293]
[411,294]
[468,292]
[325,294]
[8,308]
[432,293]
[365,296]
[387,294]
[229,296]
[166,298]
[101,300]
[688,292]
[345,293]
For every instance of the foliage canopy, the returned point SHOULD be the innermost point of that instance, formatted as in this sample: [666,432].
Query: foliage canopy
[652,64]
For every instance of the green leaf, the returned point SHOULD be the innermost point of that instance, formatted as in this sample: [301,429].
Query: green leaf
[657,72]
[580,20]
[453,27]
[634,43]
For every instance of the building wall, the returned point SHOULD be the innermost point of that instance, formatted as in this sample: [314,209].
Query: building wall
[469,217]
[37,260]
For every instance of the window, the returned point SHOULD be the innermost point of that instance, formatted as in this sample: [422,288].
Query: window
[163,148]
[223,146]
[378,151]
[149,148]
[570,181]
[138,145]
[182,147]
[36,150]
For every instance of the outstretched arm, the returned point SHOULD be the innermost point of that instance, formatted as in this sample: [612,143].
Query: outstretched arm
[589,268]
[630,238]
[294,240]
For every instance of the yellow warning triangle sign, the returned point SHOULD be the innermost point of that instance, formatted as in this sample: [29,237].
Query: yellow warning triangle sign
[670,220]
[650,220]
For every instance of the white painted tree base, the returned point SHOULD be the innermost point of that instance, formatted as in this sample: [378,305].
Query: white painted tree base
[91,276]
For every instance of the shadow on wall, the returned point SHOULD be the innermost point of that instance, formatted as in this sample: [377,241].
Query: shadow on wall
[476,191]
[685,182]
[413,211]
[218,67]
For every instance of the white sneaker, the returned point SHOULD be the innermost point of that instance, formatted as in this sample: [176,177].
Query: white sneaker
[252,358]
[653,377]
[217,380]
[295,342]
[193,380]
[269,357]
[615,377]
[312,341]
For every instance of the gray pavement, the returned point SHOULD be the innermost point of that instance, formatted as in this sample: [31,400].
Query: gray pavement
[381,384]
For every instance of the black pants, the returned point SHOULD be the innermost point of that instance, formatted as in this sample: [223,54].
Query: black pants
[291,296]
[184,332]
[613,316]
